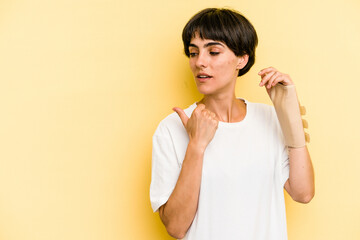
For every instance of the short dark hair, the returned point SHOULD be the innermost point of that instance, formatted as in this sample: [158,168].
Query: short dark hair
[227,26]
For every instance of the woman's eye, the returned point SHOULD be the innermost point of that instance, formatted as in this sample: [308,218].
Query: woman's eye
[214,53]
[193,54]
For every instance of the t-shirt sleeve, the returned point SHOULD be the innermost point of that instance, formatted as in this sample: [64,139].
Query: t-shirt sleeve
[285,168]
[165,168]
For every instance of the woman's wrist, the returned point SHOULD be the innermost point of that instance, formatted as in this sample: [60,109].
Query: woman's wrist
[196,146]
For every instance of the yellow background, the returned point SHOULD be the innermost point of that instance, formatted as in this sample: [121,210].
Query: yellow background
[83,85]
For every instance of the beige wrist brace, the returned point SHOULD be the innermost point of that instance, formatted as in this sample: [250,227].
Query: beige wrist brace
[289,113]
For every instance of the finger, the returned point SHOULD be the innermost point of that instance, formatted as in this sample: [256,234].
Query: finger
[287,80]
[266,77]
[206,113]
[213,116]
[198,110]
[266,70]
[275,76]
[216,122]
[210,116]
[279,79]
[200,106]
[184,118]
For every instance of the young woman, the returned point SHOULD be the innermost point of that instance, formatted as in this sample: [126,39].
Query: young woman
[219,167]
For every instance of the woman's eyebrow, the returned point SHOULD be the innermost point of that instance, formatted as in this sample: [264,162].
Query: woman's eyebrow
[212,44]
[207,44]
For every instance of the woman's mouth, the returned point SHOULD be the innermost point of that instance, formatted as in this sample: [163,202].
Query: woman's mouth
[203,77]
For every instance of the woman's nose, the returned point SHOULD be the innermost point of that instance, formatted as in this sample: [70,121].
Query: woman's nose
[201,61]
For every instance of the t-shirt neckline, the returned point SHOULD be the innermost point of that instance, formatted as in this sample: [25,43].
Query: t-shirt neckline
[233,124]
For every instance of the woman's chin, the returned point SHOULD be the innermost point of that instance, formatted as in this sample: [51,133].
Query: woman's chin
[205,90]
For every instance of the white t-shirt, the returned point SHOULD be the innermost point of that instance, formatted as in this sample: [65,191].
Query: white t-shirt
[244,171]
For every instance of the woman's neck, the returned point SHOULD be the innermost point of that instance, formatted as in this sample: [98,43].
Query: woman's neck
[227,107]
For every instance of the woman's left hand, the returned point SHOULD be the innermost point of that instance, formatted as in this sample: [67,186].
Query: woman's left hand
[271,76]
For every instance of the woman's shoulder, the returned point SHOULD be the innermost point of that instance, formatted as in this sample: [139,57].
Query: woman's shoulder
[262,112]
[265,113]
[172,122]
[261,108]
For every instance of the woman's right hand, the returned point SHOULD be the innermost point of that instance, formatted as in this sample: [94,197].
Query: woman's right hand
[201,126]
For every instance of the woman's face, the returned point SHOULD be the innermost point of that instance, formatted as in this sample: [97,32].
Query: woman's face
[214,65]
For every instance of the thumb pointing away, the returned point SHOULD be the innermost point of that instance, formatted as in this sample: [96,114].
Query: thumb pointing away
[184,118]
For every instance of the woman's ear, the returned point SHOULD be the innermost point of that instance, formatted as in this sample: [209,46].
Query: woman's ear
[242,61]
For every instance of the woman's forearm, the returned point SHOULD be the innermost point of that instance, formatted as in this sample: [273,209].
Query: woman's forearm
[300,184]
[179,211]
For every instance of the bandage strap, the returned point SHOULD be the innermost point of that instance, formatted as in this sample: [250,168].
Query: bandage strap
[288,111]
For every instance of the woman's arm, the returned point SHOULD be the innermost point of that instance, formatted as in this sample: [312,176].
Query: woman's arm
[179,211]
[300,184]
